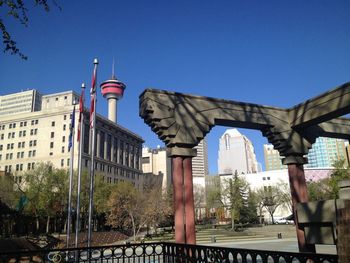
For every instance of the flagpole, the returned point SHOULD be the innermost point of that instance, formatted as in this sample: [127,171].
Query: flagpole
[71,163]
[80,164]
[92,141]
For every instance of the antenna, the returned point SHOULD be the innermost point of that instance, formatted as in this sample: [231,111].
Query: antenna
[113,75]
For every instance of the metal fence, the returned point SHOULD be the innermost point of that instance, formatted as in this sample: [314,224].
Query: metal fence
[163,252]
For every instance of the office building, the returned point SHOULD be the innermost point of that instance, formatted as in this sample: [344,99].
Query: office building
[157,162]
[236,153]
[272,158]
[324,152]
[35,128]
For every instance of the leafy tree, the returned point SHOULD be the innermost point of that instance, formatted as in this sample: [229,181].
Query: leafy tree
[270,197]
[8,193]
[131,209]
[328,188]
[249,211]
[17,10]
[46,189]
[234,197]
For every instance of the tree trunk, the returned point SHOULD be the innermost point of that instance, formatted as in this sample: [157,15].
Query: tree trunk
[133,226]
[233,219]
[48,224]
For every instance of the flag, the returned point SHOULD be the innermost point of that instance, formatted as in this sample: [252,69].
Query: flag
[23,200]
[81,111]
[93,98]
[70,140]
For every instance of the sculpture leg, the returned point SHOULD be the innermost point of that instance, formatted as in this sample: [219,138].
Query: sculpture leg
[179,209]
[189,202]
[299,194]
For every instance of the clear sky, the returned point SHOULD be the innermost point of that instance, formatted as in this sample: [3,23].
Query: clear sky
[276,53]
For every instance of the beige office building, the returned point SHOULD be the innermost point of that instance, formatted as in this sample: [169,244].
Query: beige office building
[272,158]
[35,128]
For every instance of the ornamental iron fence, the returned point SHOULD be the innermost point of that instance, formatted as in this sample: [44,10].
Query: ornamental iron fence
[163,252]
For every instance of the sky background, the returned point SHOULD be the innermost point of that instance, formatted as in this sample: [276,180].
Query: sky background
[276,53]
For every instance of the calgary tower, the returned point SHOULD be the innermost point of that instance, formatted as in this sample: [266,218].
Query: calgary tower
[113,90]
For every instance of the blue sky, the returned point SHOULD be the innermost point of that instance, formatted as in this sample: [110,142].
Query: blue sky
[276,53]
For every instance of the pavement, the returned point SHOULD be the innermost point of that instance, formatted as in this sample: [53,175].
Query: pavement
[286,245]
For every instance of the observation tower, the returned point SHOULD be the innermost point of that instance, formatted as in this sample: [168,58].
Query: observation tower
[112,90]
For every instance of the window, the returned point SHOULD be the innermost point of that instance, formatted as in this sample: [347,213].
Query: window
[63,138]
[264,178]
[62,149]
[24,133]
[52,134]
[20,134]
[13,135]
[28,166]
[10,126]
[64,117]
[34,153]
[2,136]
[36,121]
[21,169]
[18,155]
[0,157]
[62,162]
[21,124]
[24,124]
[51,153]
[34,143]
[51,145]
[68,161]
[33,122]
[56,99]
[35,131]
[22,154]
[53,124]
[30,154]
[30,143]
[33,165]
[64,127]
[1,147]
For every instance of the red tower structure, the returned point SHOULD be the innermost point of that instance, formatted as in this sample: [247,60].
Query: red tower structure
[113,90]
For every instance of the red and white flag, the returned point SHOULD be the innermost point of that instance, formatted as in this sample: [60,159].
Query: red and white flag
[93,98]
[81,111]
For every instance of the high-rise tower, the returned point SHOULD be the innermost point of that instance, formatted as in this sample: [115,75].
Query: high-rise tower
[113,90]
[236,153]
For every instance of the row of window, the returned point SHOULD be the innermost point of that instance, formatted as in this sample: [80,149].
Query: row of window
[21,124]
[20,155]
[10,146]
[19,167]
[12,135]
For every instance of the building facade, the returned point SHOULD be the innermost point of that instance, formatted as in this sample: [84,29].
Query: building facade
[236,153]
[158,163]
[324,152]
[39,130]
[272,158]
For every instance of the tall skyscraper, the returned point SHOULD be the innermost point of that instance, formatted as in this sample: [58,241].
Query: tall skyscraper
[236,153]
[272,158]
[200,162]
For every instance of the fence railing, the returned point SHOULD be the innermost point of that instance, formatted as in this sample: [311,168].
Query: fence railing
[163,252]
